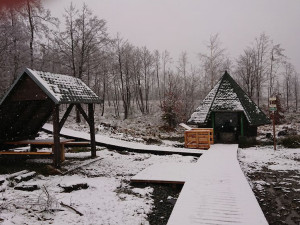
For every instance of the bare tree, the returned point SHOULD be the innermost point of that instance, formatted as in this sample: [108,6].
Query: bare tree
[166,60]
[123,54]
[68,39]
[288,74]
[13,46]
[213,61]
[296,90]
[276,57]
[147,65]
[261,63]
[157,69]
[92,37]
[182,71]
[82,43]
[39,21]
[245,70]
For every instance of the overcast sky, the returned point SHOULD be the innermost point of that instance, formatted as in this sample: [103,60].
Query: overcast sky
[186,25]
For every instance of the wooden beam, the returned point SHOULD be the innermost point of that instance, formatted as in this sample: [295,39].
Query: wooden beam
[82,112]
[57,145]
[92,129]
[67,113]
[242,125]
[25,153]
[157,181]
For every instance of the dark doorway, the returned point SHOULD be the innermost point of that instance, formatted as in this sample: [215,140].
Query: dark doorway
[227,126]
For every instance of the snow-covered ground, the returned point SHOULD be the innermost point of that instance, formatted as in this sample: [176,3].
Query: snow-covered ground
[258,158]
[138,127]
[109,199]
[275,180]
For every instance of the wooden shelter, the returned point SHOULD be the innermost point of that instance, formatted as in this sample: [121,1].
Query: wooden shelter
[34,97]
[229,111]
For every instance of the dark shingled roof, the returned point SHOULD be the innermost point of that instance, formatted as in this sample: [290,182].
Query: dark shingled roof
[62,89]
[227,95]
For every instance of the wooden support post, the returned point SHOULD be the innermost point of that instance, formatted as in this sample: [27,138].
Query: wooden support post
[67,113]
[56,147]
[274,133]
[213,124]
[242,125]
[92,129]
[62,153]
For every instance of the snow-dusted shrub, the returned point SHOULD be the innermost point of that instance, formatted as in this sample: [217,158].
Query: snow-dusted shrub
[172,108]
[292,141]
[246,142]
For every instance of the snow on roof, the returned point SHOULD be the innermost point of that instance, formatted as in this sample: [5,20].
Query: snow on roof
[227,95]
[202,112]
[62,88]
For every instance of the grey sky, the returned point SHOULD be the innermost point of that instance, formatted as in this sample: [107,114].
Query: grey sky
[185,25]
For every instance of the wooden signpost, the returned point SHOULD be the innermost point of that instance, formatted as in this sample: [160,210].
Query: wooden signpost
[273,108]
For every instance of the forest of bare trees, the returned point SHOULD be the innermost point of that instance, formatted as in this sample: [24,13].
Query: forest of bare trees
[129,77]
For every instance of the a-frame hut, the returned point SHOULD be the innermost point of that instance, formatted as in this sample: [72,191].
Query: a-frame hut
[36,96]
[229,111]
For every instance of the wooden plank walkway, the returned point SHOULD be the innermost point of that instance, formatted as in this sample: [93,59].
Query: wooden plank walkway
[217,192]
[125,145]
[169,173]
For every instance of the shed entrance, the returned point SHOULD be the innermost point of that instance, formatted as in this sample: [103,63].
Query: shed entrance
[227,126]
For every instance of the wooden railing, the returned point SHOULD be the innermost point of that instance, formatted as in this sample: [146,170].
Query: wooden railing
[200,138]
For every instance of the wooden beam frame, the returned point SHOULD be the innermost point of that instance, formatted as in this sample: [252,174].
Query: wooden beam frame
[91,121]
[92,129]
[242,125]
[82,112]
[57,145]
[66,115]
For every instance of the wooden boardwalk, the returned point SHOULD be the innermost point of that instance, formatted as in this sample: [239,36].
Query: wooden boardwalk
[169,173]
[116,144]
[217,192]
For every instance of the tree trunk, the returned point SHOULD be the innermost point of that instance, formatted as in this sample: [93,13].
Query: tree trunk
[31,33]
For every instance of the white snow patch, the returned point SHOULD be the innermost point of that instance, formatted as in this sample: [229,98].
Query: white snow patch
[259,157]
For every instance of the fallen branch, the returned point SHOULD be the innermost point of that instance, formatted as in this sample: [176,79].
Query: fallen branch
[81,165]
[25,177]
[13,175]
[70,207]
[73,187]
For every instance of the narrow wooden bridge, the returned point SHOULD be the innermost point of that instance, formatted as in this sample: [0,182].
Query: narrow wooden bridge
[217,192]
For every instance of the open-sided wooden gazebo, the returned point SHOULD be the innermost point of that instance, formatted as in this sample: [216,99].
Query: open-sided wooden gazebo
[34,97]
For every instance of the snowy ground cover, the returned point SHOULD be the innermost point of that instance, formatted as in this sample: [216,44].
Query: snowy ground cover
[109,198]
[143,128]
[275,180]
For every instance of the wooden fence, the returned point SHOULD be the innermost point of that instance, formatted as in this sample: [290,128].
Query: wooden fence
[200,138]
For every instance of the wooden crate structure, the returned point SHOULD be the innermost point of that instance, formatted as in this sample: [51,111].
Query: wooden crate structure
[211,133]
[200,138]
